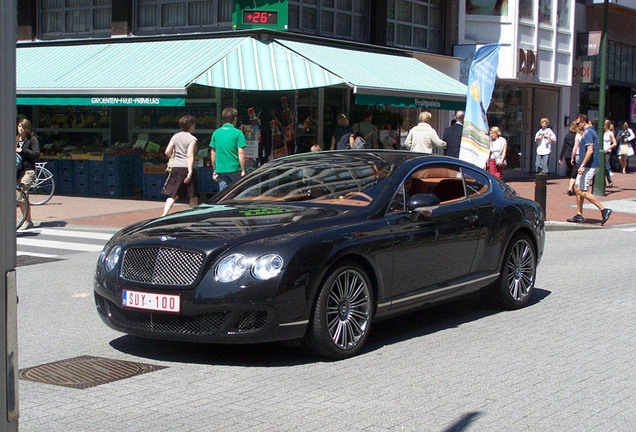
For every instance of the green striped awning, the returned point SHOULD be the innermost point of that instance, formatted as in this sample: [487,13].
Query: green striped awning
[150,68]
[378,74]
[266,65]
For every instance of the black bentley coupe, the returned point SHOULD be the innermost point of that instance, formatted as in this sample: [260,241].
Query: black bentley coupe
[315,247]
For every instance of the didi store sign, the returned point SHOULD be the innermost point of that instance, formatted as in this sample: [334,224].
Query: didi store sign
[582,71]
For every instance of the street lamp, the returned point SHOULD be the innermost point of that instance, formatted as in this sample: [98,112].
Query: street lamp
[599,180]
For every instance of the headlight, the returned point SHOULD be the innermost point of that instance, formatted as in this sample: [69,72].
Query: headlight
[112,258]
[231,268]
[267,266]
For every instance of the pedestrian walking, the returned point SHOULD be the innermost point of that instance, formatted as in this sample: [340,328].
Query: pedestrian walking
[609,144]
[453,135]
[544,139]
[423,138]
[367,129]
[498,147]
[27,147]
[567,155]
[626,149]
[182,179]
[340,138]
[227,153]
[590,163]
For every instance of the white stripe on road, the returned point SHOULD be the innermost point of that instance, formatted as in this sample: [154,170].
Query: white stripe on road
[76,234]
[50,244]
[34,254]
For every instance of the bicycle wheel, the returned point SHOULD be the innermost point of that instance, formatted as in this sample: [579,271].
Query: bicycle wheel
[19,217]
[42,190]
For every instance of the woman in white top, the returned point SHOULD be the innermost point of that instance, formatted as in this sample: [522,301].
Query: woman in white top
[423,138]
[609,143]
[498,147]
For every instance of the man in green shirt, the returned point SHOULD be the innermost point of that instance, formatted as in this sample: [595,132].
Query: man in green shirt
[227,152]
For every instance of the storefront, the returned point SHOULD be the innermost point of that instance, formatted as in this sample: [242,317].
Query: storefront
[123,99]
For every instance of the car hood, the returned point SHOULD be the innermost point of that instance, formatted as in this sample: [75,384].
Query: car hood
[228,223]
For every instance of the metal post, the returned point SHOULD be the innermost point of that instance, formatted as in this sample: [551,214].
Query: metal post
[8,308]
[540,190]
[599,179]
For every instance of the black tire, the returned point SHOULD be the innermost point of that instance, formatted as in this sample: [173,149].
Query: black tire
[42,191]
[341,320]
[518,273]
[19,217]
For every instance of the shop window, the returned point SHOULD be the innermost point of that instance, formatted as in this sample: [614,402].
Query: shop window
[342,19]
[563,13]
[171,16]
[489,8]
[545,12]
[526,9]
[74,18]
[415,24]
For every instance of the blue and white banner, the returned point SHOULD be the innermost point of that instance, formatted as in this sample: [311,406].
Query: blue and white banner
[475,144]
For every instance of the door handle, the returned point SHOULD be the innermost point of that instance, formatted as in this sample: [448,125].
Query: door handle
[471,218]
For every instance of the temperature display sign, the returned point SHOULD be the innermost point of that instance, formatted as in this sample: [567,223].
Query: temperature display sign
[260,17]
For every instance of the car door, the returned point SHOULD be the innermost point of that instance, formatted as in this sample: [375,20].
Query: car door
[431,252]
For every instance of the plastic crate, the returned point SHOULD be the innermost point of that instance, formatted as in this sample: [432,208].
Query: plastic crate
[152,185]
[139,173]
[64,186]
[65,170]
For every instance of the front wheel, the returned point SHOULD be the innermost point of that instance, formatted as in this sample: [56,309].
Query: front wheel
[42,189]
[518,273]
[342,317]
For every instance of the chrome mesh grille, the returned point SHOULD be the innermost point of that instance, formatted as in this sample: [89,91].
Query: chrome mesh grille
[158,265]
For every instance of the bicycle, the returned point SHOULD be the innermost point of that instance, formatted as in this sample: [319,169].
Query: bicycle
[19,217]
[43,187]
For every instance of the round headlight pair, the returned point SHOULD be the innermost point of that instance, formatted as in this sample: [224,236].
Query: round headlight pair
[234,266]
[112,258]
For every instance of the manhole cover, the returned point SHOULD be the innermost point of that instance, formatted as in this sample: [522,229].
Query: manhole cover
[85,371]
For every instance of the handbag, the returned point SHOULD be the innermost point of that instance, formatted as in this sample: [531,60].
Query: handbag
[359,144]
[170,163]
[624,150]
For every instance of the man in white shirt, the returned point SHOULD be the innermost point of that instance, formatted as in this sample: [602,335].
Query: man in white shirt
[544,139]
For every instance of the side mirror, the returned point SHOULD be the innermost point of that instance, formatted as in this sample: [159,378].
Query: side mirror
[423,203]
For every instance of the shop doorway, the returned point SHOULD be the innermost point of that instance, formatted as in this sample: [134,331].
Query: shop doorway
[544,103]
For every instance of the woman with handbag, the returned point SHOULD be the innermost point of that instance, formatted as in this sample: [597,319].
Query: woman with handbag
[498,147]
[626,149]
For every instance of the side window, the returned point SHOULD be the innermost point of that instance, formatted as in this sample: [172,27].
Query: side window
[476,183]
[443,181]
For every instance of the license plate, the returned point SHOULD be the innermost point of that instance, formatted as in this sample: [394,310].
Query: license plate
[151,301]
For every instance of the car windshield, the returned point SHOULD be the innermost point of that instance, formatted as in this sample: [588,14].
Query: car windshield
[339,179]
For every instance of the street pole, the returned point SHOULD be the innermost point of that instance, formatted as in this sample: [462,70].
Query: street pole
[9,410]
[599,179]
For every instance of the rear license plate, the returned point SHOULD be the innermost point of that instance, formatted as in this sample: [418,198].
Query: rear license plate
[151,301]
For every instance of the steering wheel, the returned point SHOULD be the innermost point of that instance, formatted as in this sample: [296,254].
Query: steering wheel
[354,193]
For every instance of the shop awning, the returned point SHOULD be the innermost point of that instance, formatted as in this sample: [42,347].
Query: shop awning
[158,72]
[386,79]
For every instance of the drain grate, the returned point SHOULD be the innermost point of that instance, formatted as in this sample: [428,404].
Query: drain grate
[85,371]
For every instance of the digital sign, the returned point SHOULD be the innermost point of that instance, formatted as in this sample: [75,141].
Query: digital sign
[260,14]
[260,17]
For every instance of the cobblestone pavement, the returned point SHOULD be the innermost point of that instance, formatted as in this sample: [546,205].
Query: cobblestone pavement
[565,363]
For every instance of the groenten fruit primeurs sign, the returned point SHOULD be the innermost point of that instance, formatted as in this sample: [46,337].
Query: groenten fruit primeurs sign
[101,100]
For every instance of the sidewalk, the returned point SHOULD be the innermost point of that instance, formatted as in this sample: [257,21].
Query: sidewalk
[118,213]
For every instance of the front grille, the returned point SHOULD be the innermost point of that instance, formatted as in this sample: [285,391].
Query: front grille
[206,324]
[250,321]
[158,265]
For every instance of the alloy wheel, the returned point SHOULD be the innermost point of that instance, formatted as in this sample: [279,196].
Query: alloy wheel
[521,270]
[348,309]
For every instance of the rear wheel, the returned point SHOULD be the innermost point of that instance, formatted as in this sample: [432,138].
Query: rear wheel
[518,273]
[342,317]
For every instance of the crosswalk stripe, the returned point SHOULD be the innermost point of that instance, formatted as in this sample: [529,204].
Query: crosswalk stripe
[35,254]
[51,244]
[75,234]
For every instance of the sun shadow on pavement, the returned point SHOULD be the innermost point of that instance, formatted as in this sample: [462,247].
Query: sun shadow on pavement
[385,332]
[437,318]
[464,422]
